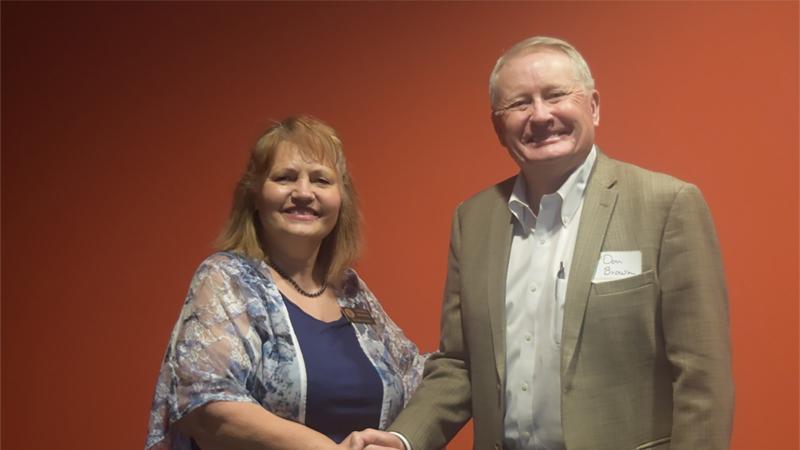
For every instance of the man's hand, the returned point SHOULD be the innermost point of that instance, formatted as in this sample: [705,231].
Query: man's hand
[370,439]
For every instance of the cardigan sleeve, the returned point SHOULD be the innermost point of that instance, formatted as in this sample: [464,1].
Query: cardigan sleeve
[211,356]
[403,351]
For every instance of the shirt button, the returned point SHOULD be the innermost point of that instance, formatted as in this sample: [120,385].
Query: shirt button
[524,387]
[542,241]
[534,288]
[528,338]
[526,435]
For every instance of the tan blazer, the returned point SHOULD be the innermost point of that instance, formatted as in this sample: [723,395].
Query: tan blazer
[645,361]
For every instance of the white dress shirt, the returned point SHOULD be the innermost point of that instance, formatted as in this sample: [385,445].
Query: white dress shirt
[535,293]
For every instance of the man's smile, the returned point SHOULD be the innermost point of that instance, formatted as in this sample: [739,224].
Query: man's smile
[546,137]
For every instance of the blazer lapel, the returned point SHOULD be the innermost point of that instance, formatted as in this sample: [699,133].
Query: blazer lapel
[498,250]
[598,205]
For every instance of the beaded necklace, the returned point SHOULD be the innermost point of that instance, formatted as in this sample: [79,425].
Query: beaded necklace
[297,286]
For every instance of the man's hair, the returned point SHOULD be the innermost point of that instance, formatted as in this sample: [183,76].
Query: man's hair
[315,141]
[538,42]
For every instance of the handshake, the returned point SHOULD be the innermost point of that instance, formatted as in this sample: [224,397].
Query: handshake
[371,439]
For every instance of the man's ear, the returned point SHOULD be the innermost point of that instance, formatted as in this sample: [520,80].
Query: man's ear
[497,123]
[596,108]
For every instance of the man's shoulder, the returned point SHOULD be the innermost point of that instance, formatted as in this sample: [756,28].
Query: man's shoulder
[632,176]
[642,190]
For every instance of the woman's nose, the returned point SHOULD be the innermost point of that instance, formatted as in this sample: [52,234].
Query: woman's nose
[302,190]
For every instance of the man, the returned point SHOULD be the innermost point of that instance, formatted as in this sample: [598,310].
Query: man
[585,304]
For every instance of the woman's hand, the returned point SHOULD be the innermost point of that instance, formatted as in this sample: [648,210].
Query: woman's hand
[370,439]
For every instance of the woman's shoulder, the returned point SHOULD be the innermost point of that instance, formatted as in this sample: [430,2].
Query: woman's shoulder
[357,292]
[230,268]
[235,282]
[229,263]
[352,285]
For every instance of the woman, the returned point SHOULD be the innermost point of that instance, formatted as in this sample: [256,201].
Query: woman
[280,344]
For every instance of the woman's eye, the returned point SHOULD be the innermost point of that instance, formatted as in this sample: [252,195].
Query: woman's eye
[322,181]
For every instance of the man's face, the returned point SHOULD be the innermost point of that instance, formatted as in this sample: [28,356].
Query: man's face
[543,114]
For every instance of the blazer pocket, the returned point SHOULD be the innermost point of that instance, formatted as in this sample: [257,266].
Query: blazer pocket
[655,444]
[625,284]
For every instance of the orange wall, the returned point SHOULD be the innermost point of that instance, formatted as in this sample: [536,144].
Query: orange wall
[124,126]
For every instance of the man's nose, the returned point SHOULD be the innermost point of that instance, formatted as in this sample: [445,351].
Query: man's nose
[540,112]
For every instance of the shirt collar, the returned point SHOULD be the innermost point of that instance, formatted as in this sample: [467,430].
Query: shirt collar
[570,193]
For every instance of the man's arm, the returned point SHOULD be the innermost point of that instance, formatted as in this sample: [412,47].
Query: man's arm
[441,404]
[695,323]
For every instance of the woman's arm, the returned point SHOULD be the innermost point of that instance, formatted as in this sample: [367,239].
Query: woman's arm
[247,426]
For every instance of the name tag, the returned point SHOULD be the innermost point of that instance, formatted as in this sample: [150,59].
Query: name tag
[617,265]
[358,315]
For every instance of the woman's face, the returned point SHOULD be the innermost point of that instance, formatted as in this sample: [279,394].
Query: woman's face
[299,198]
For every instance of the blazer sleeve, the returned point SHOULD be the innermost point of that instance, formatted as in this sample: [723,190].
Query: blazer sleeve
[442,403]
[695,325]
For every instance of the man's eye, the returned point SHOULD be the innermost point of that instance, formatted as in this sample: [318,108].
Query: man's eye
[518,106]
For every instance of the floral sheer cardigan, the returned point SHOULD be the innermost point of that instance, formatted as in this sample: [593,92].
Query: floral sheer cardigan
[234,342]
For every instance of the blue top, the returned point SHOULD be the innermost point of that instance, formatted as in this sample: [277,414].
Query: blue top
[344,389]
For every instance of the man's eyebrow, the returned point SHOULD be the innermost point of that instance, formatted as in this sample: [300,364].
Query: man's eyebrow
[515,97]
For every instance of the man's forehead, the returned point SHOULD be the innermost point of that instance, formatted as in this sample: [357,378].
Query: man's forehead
[541,64]
[540,57]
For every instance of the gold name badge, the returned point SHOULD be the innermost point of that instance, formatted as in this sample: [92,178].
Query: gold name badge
[358,315]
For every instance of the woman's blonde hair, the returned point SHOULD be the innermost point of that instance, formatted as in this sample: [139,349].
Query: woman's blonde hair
[313,140]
